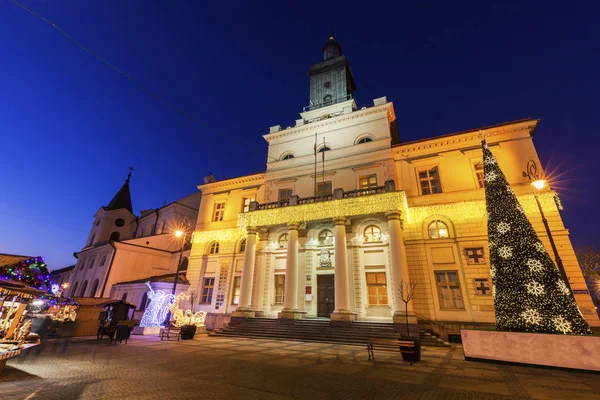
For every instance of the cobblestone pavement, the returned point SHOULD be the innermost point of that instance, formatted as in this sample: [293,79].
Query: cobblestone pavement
[232,368]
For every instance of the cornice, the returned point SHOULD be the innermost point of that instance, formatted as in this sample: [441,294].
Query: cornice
[329,121]
[241,180]
[460,138]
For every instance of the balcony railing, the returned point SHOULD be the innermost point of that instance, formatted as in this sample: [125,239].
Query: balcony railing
[337,194]
[328,103]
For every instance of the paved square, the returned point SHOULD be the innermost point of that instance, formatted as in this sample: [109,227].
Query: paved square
[217,368]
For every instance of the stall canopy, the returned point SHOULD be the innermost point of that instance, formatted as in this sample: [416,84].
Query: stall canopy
[32,271]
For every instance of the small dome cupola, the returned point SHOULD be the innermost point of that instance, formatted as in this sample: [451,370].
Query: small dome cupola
[332,49]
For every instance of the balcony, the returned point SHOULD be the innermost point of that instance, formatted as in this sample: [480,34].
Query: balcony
[366,201]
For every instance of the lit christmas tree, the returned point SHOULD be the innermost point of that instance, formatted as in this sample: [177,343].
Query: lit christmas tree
[529,294]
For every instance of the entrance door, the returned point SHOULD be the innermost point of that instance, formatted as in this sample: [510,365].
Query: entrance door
[325,295]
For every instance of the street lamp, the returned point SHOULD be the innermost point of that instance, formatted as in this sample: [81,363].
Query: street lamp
[179,234]
[538,184]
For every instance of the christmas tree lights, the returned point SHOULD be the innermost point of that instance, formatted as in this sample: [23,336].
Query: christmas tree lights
[156,312]
[529,294]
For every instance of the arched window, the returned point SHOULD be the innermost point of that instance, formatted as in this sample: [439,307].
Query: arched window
[83,287]
[142,306]
[124,297]
[184,264]
[438,230]
[287,156]
[365,139]
[91,264]
[372,234]
[242,246]
[214,247]
[94,288]
[81,264]
[327,100]
[325,237]
[74,290]
[115,236]
[283,241]
[102,260]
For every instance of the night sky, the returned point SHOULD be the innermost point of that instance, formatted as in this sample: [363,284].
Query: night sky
[70,125]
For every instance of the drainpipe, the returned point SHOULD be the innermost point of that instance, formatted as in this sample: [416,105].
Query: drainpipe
[137,225]
[112,243]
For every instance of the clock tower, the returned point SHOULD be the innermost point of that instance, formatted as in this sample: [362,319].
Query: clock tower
[331,80]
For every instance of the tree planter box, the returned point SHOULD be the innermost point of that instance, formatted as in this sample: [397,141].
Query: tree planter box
[188,332]
[560,351]
[412,357]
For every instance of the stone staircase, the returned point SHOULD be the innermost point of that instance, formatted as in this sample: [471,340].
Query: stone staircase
[318,330]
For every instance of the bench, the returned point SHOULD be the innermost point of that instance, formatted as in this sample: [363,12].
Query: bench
[399,345]
[170,331]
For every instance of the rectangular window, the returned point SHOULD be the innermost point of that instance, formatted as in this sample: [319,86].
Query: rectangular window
[207,290]
[448,287]
[478,168]
[247,201]
[324,188]
[429,180]
[218,212]
[475,255]
[235,299]
[377,288]
[285,194]
[367,181]
[279,288]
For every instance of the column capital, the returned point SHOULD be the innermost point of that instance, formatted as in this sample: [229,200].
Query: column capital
[339,220]
[251,230]
[394,215]
[293,226]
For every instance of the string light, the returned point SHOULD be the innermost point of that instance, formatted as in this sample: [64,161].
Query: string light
[187,317]
[220,235]
[156,312]
[529,294]
[32,272]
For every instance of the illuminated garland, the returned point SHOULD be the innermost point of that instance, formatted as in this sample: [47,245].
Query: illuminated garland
[32,272]
[475,209]
[188,317]
[224,235]
[349,207]
[529,294]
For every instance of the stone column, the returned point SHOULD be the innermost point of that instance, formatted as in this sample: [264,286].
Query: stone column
[290,295]
[244,310]
[342,315]
[400,276]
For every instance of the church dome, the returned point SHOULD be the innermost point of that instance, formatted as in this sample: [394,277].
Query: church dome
[332,49]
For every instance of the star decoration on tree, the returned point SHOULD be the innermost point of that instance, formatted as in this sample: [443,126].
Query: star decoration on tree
[535,266]
[503,227]
[562,325]
[527,287]
[535,288]
[531,316]
[505,252]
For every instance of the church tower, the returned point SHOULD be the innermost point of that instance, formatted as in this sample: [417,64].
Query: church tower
[331,81]
[115,221]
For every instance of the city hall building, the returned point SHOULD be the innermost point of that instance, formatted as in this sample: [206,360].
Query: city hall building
[346,214]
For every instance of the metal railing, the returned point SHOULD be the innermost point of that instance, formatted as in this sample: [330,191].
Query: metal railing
[364,192]
[328,103]
[274,204]
[315,199]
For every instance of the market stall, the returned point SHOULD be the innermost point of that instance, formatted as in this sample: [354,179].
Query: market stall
[52,316]
[15,330]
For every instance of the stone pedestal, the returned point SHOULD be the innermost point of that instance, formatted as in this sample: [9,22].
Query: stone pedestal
[147,331]
[549,350]
[288,317]
[240,316]
[400,325]
[200,331]
[342,318]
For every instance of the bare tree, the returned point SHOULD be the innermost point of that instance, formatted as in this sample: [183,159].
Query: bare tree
[406,290]
[192,295]
[589,261]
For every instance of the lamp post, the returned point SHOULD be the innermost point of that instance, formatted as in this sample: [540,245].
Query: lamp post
[179,234]
[538,184]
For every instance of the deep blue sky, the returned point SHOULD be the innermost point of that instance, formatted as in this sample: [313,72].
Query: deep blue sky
[70,125]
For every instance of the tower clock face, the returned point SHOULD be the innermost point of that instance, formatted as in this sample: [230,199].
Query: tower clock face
[327,85]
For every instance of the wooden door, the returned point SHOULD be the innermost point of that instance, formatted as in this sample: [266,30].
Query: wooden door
[325,295]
